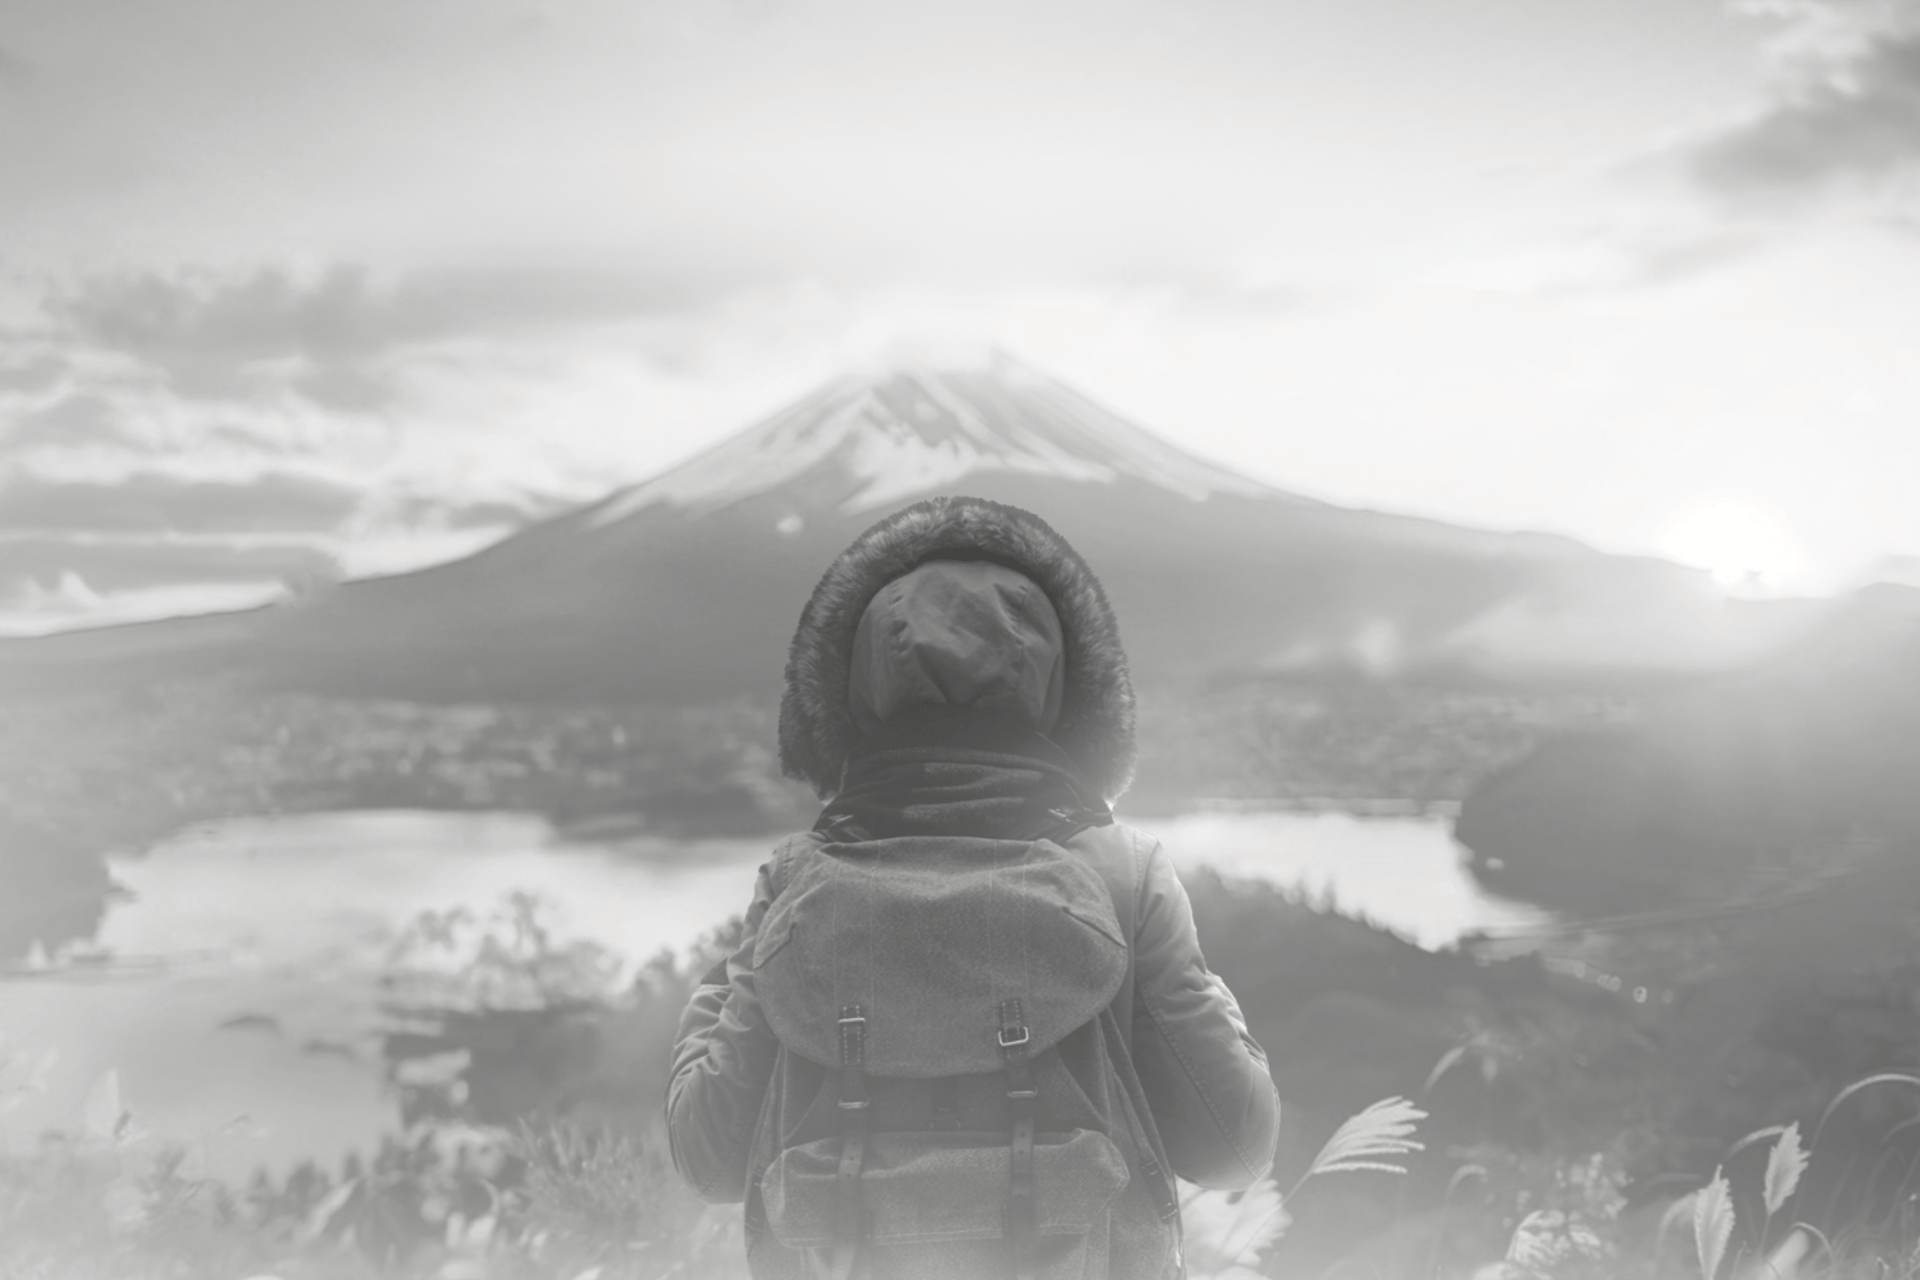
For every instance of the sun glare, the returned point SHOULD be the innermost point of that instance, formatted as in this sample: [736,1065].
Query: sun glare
[1745,549]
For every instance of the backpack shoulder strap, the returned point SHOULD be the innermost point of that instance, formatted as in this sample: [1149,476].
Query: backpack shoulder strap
[852,1105]
[1067,822]
[1119,854]
[1016,1046]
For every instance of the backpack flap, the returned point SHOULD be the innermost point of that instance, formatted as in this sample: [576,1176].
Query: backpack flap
[924,1188]
[928,936]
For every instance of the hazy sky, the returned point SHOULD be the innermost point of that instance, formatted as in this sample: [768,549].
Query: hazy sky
[292,287]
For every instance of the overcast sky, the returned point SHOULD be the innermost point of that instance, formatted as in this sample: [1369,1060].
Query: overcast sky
[296,287]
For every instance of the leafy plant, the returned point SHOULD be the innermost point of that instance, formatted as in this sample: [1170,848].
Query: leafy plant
[1713,1220]
[1228,1232]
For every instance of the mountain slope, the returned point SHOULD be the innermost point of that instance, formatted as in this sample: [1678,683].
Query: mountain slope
[1761,777]
[686,587]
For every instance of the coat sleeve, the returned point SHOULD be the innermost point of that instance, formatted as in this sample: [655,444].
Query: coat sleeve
[1205,1077]
[723,1059]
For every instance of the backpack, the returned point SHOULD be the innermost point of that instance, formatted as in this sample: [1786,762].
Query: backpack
[952,1097]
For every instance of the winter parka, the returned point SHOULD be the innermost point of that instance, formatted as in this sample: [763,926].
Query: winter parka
[969,603]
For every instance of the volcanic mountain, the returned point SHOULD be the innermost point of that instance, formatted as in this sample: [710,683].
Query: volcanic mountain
[686,587]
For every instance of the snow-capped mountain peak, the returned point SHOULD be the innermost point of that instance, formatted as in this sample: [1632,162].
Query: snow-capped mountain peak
[878,439]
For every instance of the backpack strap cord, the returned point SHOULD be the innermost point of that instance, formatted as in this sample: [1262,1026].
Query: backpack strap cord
[847,1225]
[1021,1095]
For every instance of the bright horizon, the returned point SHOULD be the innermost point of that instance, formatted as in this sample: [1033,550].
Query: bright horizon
[288,292]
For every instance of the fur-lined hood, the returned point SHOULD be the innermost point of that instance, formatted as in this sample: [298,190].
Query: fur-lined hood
[1096,712]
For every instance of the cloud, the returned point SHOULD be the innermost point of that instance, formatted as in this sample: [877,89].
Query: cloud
[40,562]
[333,337]
[100,424]
[31,373]
[430,512]
[89,553]
[82,418]
[1846,110]
[1203,293]
[156,503]
[171,431]
[1612,259]
[34,608]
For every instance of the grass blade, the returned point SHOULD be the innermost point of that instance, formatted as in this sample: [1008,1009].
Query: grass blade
[1884,1077]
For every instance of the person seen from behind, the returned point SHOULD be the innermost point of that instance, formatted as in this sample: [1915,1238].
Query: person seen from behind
[968,1031]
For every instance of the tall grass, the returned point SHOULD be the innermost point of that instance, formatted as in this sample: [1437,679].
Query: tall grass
[562,1202]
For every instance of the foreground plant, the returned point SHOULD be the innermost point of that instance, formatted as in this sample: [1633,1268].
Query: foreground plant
[1227,1233]
[1715,1221]
[610,1203]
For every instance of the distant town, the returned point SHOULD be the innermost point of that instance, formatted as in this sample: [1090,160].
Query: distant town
[119,769]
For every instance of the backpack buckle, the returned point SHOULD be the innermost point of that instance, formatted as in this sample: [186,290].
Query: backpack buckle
[853,1020]
[1014,1037]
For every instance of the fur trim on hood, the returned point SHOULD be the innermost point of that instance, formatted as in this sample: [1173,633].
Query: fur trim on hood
[1096,713]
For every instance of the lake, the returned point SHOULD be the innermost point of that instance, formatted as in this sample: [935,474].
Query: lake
[234,986]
